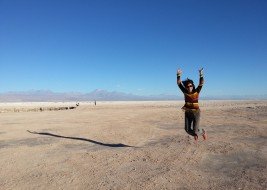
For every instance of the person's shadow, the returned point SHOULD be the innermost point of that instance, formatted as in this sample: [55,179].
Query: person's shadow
[80,139]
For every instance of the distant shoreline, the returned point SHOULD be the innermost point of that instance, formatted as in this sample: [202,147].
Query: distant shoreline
[92,101]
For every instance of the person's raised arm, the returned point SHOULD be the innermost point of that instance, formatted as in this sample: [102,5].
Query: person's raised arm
[201,79]
[179,81]
[179,73]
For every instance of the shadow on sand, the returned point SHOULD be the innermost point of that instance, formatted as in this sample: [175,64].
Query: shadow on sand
[81,139]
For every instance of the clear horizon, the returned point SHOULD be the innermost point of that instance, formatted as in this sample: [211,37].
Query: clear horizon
[133,46]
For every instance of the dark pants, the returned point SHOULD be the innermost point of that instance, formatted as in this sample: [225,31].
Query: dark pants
[192,118]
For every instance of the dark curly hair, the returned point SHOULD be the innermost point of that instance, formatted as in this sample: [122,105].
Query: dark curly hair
[189,81]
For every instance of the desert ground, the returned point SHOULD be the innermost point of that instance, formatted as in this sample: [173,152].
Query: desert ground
[132,145]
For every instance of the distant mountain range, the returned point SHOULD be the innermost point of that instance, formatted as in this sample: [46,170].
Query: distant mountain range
[99,95]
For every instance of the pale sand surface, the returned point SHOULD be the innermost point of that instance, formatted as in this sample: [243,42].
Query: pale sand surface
[132,145]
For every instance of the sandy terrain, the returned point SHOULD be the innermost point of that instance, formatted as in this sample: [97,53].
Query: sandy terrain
[132,145]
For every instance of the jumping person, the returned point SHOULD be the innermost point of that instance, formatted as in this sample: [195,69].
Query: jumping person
[191,107]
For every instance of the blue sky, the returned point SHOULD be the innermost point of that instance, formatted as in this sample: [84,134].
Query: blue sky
[133,46]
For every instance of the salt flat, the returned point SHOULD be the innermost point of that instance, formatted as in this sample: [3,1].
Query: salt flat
[132,145]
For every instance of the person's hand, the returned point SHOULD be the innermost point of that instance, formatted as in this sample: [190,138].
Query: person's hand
[200,72]
[179,72]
